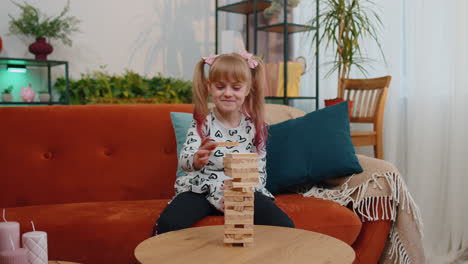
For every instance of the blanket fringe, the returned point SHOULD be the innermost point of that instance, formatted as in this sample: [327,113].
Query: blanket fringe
[397,250]
[367,207]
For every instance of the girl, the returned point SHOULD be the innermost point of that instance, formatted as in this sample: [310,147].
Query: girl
[235,83]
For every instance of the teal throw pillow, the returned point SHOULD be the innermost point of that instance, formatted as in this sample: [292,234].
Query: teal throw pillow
[181,123]
[309,149]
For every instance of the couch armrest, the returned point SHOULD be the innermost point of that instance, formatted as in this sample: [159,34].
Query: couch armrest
[369,195]
[371,241]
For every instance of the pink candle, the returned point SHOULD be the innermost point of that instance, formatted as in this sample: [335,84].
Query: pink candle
[14,256]
[7,230]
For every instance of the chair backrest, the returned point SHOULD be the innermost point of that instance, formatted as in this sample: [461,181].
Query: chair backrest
[368,96]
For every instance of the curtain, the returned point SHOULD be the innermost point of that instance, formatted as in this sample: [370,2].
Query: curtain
[426,118]
[425,43]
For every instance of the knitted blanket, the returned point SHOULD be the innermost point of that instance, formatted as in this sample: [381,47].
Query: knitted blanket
[380,185]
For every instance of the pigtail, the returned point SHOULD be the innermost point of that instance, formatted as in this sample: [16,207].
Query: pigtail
[255,106]
[200,97]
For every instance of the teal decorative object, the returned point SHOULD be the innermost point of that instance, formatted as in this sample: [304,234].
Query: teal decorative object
[309,149]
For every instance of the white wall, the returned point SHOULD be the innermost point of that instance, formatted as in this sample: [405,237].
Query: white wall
[146,36]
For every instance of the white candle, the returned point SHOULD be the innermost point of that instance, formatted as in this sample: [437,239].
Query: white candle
[14,256]
[36,243]
[9,230]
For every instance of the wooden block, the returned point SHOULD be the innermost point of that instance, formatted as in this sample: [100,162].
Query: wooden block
[237,208]
[242,155]
[246,245]
[229,199]
[245,180]
[236,185]
[238,219]
[238,231]
[239,226]
[239,175]
[232,163]
[244,184]
[230,212]
[231,193]
[237,199]
[243,240]
[232,172]
[227,144]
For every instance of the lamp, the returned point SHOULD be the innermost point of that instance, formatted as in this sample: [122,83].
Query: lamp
[16,68]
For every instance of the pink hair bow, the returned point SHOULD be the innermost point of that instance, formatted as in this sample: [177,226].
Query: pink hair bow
[210,59]
[250,61]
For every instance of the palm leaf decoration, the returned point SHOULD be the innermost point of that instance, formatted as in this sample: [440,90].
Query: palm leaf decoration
[344,24]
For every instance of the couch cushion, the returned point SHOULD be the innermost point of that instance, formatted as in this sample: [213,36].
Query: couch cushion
[87,153]
[309,149]
[108,232]
[181,123]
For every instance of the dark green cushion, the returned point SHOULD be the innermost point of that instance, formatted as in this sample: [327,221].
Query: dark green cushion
[309,149]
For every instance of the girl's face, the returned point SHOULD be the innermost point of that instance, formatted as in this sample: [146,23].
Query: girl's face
[228,96]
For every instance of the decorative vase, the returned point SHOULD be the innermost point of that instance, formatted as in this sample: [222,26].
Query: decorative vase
[330,102]
[7,97]
[27,94]
[44,97]
[41,48]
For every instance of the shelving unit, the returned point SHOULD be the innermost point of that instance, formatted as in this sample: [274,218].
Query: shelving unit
[253,7]
[40,64]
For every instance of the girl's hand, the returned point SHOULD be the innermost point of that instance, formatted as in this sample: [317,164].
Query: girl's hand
[202,156]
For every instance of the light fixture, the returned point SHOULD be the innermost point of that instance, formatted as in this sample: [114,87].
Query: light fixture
[16,68]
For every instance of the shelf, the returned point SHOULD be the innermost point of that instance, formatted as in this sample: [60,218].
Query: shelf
[31,62]
[290,97]
[245,7]
[292,28]
[31,103]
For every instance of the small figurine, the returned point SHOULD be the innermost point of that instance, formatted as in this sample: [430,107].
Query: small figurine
[27,94]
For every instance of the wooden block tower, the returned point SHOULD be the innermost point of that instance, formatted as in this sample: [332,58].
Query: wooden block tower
[239,199]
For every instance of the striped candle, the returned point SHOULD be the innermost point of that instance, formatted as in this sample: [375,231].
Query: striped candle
[14,256]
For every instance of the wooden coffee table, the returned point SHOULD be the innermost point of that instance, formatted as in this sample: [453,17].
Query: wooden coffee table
[271,245]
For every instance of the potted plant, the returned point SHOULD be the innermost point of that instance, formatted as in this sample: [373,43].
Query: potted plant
[6,96]
[343,26]
[33,23]
[44,96]
[277,7]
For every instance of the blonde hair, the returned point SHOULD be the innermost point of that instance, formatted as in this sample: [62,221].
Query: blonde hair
[233,67]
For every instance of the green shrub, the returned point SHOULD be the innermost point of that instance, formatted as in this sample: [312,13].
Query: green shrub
[100,87]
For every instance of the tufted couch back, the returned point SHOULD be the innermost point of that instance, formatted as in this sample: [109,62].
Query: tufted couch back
[91,153]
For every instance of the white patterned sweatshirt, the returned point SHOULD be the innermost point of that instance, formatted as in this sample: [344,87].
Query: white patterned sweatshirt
[209,178]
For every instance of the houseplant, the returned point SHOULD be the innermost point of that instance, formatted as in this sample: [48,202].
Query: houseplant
[130,87]
[32,22]
[277,6]
[44,96]
[6,96]
[344,24]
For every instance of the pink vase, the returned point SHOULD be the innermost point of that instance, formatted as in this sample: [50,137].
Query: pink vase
[41,49]
[27,94]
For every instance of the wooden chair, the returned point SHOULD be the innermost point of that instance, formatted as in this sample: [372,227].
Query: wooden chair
[368,96]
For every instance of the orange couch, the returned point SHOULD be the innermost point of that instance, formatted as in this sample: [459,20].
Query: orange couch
[96,177]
